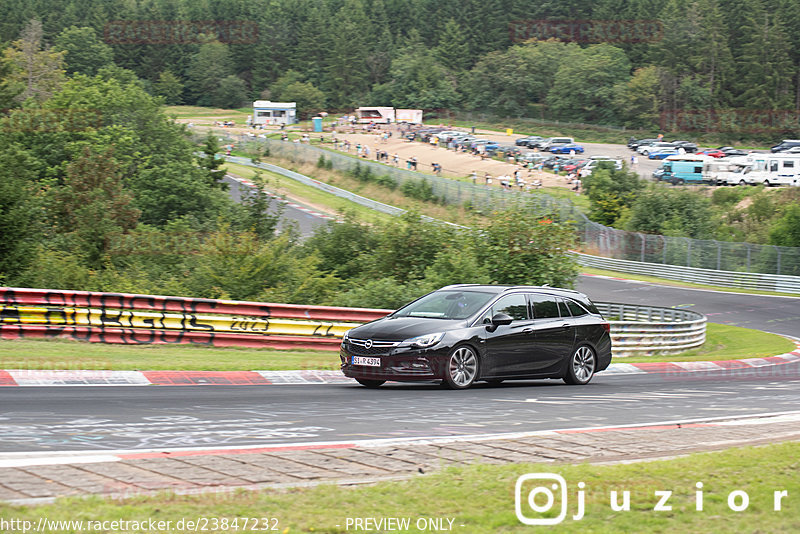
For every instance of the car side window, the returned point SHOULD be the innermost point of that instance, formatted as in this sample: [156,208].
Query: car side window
[575,308]
[562,307]
[515,306]
[544,307]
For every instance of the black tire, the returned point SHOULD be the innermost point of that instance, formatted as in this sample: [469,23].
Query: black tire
[372,384]
[742,182]
[581,366]
[462,368]
[766,183]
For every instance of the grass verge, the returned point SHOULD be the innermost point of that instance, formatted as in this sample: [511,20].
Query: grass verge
[282,185]
[480,498]
[723,342]
[675,283]
[68,354]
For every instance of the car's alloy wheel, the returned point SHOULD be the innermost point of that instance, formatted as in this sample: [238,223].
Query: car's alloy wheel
[370,383]
[462,368]
[581,366]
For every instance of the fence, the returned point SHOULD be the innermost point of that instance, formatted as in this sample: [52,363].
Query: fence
[445,190]
[149,319]
[648,330]
[754,281]
[594,237]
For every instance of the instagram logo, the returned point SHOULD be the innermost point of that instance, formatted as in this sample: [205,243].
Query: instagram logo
[531,503]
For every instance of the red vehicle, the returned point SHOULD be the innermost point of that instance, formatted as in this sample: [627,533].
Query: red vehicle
[714,153]
[574,165]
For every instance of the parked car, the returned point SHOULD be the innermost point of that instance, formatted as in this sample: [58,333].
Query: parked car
[592,164]
[645,150]
[466,333]
[785,145]
[574,165]
[687,146]
[662,153]
[730,151]
[566,149]
[550,162]
[535,157]
[713,152]
[553,141]
[526,141]
[636,144]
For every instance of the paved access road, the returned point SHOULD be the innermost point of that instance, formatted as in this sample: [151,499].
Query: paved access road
[304,218]
[780,315]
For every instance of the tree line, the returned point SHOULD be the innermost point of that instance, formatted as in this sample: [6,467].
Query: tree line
[466,55]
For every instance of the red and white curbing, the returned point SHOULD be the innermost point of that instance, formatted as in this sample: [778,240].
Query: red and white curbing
[35,377]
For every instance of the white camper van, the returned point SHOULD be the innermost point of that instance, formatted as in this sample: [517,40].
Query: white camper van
[767,169]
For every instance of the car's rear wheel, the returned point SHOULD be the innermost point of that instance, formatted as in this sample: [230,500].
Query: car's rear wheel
[742,182]
[581,366]
[462,368]
[370,383]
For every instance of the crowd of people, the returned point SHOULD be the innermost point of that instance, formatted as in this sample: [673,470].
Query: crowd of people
[525,177]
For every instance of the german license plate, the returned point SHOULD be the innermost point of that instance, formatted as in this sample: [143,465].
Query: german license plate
[370,362]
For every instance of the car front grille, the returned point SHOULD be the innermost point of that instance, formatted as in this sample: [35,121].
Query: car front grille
[359,346]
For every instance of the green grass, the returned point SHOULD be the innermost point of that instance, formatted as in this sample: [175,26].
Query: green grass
[283,185]
[67,354]
[675,283]
[725,342]
[481,498]
[393,197]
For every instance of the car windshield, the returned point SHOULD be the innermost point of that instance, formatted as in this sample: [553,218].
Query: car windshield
[446,305]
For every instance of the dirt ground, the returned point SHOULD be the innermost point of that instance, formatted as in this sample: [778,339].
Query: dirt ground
[454,165]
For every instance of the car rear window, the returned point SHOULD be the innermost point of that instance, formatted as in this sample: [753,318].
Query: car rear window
[575,309]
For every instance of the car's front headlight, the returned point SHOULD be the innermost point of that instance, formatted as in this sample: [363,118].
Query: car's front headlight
[423,342]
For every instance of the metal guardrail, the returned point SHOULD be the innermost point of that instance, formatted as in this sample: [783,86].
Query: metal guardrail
[148,319]
[648,330]
[738,280]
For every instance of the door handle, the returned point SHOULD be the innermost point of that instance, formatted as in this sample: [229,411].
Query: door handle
[565,326]
[527,330]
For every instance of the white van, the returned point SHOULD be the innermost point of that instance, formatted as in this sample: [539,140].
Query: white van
[594,161]
[767,169]
[552,141]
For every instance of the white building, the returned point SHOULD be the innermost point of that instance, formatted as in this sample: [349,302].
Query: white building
[266,112]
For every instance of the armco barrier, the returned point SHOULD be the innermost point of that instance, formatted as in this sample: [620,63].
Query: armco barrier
[149,319]
[754,281]
[647,330]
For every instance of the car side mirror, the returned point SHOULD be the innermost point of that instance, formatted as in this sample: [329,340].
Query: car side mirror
[499,319]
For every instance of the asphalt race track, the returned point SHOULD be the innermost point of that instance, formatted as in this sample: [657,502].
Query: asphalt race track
[123,418]
[34,419]
[780,315]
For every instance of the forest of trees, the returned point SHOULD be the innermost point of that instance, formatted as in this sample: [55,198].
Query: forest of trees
[433,54]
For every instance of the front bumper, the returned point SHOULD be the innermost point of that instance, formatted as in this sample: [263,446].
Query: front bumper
[400,363]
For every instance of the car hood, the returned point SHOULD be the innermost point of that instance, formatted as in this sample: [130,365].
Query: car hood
[402,328]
